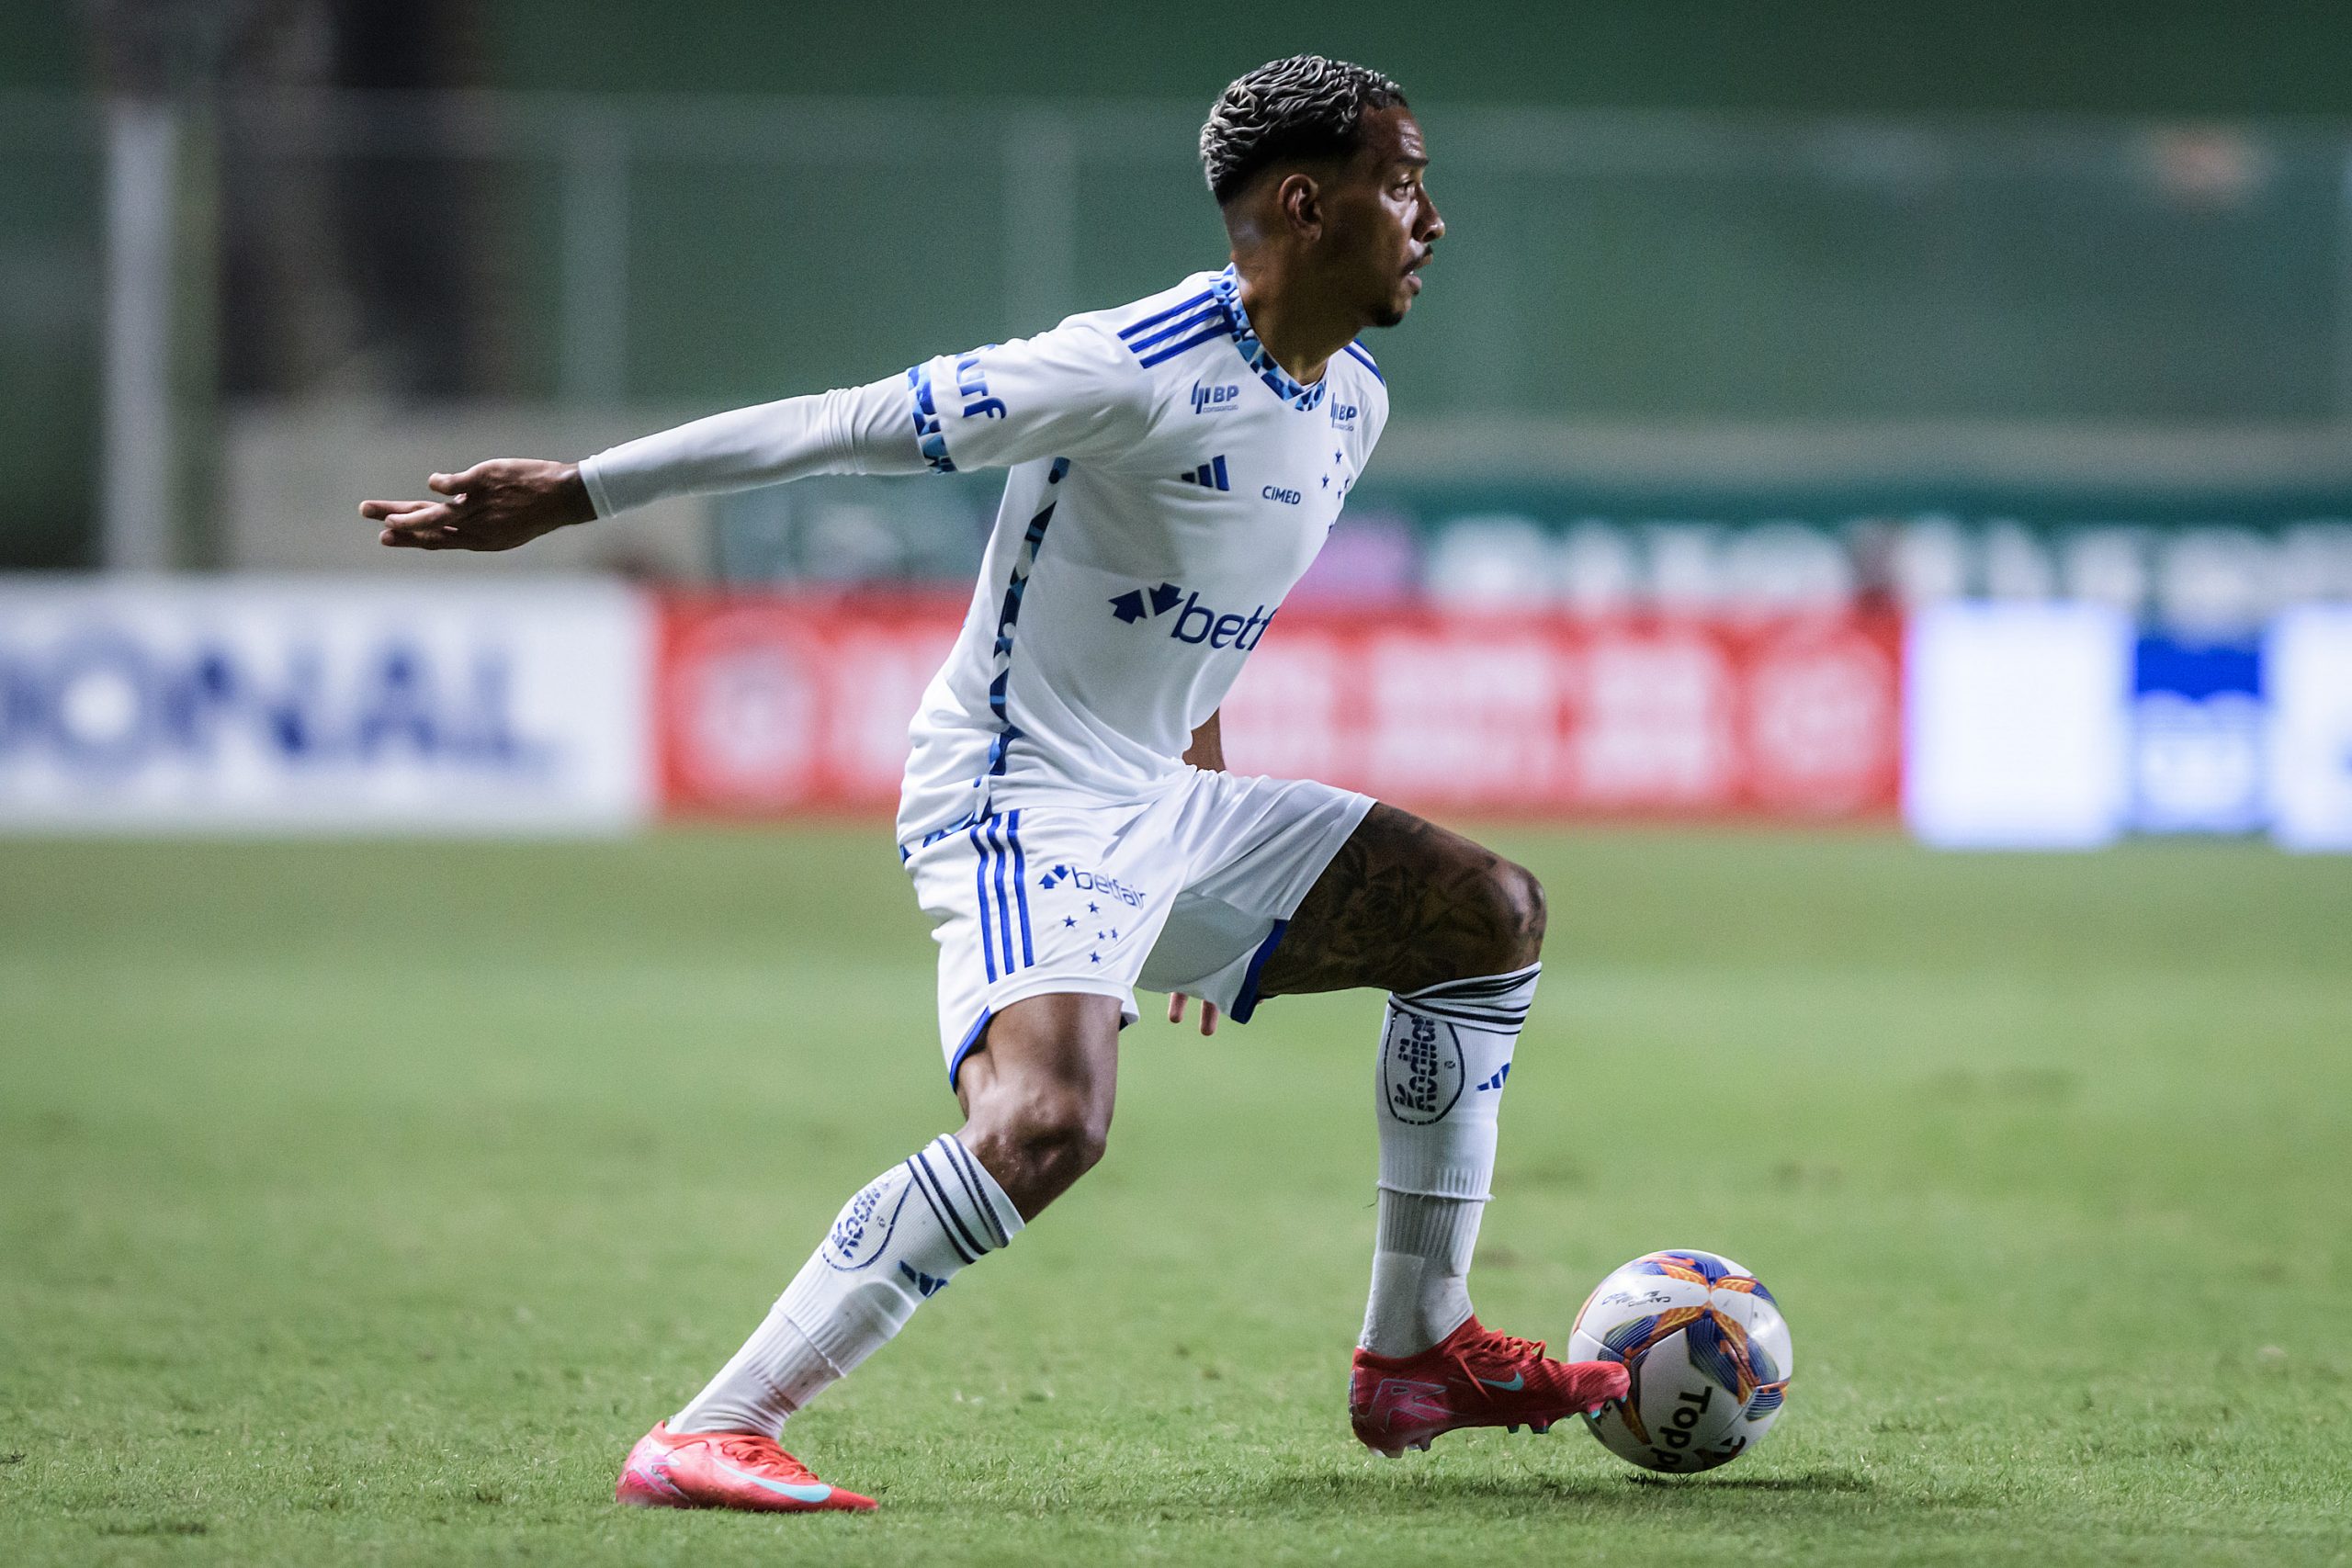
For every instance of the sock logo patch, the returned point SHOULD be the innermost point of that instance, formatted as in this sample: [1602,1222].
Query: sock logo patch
[863,1228]
[1420,1073]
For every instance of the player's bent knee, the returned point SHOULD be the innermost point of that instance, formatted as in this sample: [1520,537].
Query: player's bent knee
[1514,918]
[1036,1144]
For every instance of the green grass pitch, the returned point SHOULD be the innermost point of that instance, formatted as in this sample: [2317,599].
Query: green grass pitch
[363,1202]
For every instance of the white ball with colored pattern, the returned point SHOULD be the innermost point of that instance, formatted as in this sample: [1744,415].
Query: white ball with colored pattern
[1708,1351]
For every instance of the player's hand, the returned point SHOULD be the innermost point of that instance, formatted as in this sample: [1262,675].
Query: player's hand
[1176,1000]
[495,505]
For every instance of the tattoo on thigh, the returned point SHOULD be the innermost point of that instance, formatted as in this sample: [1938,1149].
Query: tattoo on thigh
[1406,904]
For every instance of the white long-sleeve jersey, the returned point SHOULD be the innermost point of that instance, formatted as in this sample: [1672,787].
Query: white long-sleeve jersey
[1170,483]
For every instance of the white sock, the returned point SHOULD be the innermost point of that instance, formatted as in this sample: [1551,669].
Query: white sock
[895,1244]
[1444,1056]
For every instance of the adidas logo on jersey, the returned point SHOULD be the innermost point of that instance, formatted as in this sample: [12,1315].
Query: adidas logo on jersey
[1209,476]
[1195,623]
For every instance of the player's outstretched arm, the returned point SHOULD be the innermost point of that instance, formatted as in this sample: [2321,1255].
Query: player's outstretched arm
[496,505]
[1073,392]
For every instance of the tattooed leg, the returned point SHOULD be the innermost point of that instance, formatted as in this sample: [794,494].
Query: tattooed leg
[1406,905]
[1452,933]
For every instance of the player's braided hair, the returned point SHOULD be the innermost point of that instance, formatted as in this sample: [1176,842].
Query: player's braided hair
[1306,106]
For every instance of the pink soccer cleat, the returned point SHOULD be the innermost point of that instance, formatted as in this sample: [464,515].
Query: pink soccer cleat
[1472,1376]
[725,1469]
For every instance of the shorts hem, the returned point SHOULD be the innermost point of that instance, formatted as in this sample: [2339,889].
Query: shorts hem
[1004,994]
[1245,1001]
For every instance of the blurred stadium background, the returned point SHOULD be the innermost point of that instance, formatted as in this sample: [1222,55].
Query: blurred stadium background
[1752,359]
[1866,428]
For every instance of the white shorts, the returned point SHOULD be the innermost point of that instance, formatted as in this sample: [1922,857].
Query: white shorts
[1188,892]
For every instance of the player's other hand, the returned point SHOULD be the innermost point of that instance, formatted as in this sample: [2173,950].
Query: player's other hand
[495,505]
[1176,1000]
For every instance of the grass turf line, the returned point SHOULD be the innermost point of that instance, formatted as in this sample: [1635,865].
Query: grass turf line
[362,1202]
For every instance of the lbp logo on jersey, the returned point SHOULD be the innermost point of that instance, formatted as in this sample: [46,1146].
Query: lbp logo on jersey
[1195,623]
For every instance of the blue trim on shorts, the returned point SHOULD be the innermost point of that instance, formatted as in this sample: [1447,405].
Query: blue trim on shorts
[1245,1001]
[1020,889]
[997,827]
[980,896]
[971,1044]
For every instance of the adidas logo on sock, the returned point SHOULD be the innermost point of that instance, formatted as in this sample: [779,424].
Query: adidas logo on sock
[1495,1082]
[1209,476]
[925,1285]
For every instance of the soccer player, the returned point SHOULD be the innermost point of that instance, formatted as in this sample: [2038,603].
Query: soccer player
[1067,821]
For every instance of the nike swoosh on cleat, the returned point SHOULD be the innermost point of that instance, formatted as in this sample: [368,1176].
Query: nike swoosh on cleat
[816,1494]
[1518,1382]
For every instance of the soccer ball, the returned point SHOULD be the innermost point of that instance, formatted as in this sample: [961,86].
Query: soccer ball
[1709,1355]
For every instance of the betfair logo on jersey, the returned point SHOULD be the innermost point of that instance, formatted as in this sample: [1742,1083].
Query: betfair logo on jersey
[1129,606]
[1195,623]
[1206,398]
[973,382]
[1092,882]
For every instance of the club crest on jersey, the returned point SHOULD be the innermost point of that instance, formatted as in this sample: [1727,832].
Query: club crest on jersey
[863,1229]
[1195,623]
[1207,398]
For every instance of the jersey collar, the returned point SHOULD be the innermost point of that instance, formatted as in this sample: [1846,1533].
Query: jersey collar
[1245,338]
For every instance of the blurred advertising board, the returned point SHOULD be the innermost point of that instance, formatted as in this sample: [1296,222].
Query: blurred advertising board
[2017,724]
[320,705]
[2196,740]
[2307,669]
[770,705]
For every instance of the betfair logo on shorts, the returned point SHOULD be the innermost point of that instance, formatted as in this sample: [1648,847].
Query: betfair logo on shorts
[1195,623]
[1092,882]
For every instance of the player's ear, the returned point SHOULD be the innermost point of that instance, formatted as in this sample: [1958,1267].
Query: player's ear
[1301,204]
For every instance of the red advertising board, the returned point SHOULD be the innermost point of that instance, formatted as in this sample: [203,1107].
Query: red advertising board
[770,706]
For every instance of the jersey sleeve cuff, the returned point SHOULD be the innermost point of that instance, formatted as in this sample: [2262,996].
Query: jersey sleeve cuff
[592,474]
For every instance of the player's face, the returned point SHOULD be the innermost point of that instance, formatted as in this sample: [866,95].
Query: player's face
[1386,221]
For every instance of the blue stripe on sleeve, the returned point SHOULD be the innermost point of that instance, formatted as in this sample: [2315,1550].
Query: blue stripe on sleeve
[1212,313]
[1214,329]
[1176,309]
